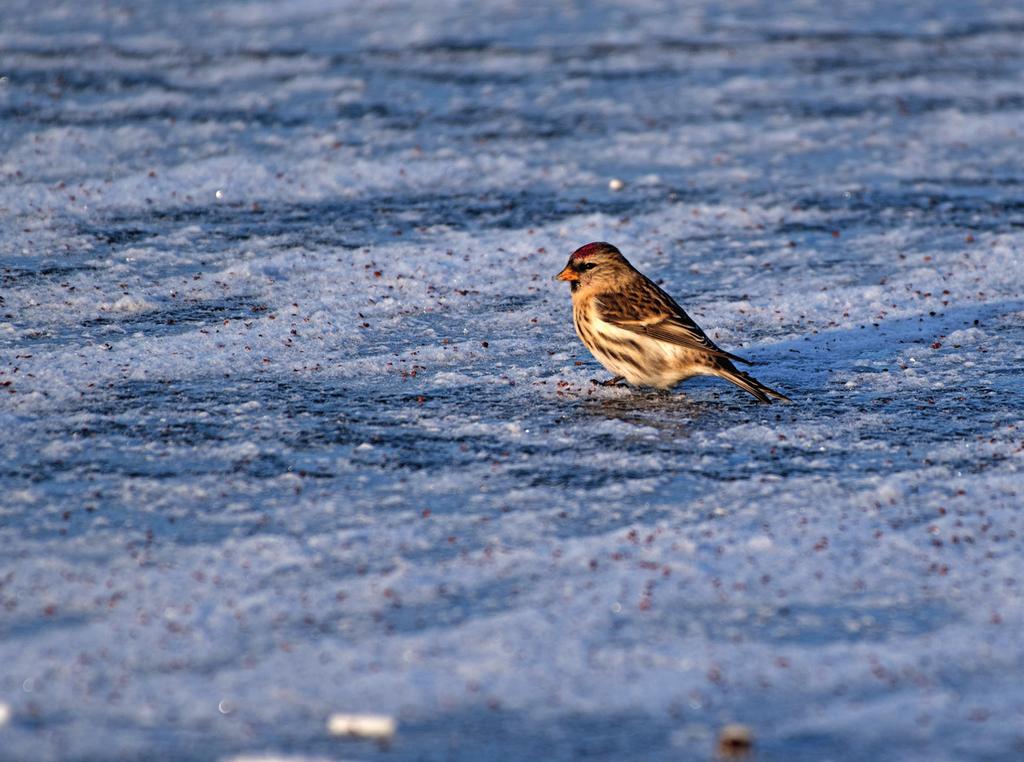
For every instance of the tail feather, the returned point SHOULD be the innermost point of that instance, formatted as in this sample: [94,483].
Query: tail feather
[748,383]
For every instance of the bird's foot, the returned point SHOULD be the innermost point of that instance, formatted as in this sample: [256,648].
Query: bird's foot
[613,381]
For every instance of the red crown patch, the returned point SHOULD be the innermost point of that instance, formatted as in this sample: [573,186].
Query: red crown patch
[590,249]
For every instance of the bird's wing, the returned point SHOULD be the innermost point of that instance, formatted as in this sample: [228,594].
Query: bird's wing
[651,312]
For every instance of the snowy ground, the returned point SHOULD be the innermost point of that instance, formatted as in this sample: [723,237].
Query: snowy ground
[295,421]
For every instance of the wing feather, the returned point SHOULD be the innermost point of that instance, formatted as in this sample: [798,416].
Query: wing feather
[651,312]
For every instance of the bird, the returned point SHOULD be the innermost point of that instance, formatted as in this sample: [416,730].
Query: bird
[638,332]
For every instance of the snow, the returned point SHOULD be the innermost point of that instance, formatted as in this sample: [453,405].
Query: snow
[297,425]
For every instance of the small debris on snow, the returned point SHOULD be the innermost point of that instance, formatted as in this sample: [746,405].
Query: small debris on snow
[735,741]
[377,727]
[273,758]
[128,304]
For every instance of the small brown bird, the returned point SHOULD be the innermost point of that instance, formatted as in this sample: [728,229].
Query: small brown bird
[638,332]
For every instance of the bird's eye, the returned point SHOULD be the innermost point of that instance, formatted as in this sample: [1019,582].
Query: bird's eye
[587,266]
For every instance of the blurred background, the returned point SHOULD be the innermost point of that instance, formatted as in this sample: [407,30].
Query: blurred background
[297,424]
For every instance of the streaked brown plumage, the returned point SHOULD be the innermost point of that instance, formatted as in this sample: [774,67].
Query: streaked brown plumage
[638,332]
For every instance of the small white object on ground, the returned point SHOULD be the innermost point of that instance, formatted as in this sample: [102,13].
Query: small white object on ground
[378,727]
[5,714]
[616,184]
[128,304]
[270,757]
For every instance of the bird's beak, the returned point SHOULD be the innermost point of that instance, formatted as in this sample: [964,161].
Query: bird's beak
[567,274]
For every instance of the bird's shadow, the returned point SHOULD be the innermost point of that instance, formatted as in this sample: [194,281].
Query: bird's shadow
[673,411]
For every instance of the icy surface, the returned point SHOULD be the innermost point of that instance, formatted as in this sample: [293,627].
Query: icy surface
[295,422]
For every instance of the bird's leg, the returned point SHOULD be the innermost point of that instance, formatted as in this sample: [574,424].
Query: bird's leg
[613,381]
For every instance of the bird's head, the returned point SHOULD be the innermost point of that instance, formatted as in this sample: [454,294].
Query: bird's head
[595,264]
